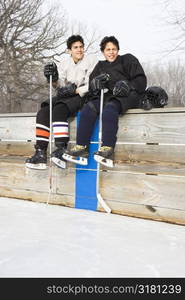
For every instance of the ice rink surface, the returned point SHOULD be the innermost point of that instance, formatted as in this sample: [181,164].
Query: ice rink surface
[39,240]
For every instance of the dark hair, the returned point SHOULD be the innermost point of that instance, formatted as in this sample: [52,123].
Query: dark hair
[108,39]
[73,39]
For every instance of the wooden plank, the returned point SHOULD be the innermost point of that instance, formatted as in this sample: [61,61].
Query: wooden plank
[157,125]
[160,191]
[123,153]
[155,197]
[16,148]
[14,115]
[150,153]
[133,210]
[64,200]
[14,175]
[17,128]
[21,142]
[146,196]
[22,128]
[133,128]
[148,212]
[162,110]
[155,128]
[130,111]
[148,180]
[140,167]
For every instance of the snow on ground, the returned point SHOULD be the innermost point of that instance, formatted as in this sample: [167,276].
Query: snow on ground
[39,240]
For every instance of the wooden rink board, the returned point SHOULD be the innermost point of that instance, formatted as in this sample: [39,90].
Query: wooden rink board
[148,179]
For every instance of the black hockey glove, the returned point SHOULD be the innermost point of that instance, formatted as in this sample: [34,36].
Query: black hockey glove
[99,82]
[67,91]
[145,103]
[121,88]
[51,69]
[155,96]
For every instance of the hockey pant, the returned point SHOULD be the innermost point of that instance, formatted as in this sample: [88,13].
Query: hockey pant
[60,115]
[110,118]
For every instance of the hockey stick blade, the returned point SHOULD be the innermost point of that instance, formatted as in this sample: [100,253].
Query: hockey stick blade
[103,204]
[81,161]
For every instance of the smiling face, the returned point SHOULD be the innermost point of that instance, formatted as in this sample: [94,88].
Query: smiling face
[77,51]
[110,52]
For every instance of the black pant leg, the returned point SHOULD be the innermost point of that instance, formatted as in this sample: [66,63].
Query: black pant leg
[61,114]
[110,118]
[88,116]
[42,127]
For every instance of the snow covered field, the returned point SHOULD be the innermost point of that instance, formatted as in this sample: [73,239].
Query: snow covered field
[39,240]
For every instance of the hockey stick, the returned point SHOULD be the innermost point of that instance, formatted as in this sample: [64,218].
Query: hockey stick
[50,139]
[98,195]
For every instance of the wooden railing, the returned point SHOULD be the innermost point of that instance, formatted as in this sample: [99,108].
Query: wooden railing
[148,179]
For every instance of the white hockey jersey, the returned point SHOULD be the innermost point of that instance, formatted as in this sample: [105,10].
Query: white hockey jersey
[78,73]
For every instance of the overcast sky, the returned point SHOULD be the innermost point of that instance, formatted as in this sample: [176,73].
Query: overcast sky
[140,25]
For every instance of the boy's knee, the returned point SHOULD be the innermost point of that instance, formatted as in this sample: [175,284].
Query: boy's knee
[88,110]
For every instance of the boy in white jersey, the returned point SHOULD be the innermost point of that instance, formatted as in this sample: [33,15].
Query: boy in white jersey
[71,79]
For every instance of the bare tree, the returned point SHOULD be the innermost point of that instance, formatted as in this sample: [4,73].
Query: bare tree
[27,38]
[176,21]
[30,35]
[171,78]
[91,35]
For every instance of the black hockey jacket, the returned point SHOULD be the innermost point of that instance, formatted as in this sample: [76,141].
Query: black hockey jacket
[125,67]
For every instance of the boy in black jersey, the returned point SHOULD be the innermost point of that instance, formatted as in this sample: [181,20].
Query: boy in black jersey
[124,82]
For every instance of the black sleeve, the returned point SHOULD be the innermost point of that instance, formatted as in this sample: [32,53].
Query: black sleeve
[135,72]
[95,72]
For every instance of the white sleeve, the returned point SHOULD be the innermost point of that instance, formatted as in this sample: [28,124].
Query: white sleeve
[91,61]
[62,71]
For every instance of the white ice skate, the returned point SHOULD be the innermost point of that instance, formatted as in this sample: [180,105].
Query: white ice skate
[104,156]
[36,166]
[57,158]
[59,163]
[38,161]
[78,155]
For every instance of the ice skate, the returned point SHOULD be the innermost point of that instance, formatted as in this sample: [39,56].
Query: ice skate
[78,155]
[38,160]
[104,156]
[57,158]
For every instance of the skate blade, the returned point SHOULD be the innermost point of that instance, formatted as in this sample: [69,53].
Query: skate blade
[81,161]
[59,163]
[36,166]
[104,161]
